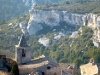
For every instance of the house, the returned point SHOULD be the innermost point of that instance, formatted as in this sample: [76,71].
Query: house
[71,68]
[63,69]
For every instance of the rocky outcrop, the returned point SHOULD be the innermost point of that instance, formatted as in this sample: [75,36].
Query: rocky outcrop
[95,24]
[52,19]
[23,26]
[44,41]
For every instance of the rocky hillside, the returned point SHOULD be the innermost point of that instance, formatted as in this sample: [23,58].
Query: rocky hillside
[63,35]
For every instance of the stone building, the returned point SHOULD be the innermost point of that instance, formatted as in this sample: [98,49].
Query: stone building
[22,51]
[91,68]
[41,65]
[63,69]
[38,65]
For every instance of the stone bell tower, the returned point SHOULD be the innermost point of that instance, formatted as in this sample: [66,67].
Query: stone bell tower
[22,51]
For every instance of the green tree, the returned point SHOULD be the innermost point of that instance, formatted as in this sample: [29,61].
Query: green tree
[63,60]
[14,70]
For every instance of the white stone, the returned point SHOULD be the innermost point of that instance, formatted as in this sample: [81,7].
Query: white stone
[74,34]
[58,36]
[44,41]
[10,24]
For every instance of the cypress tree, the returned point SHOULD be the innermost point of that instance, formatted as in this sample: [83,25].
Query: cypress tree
[14,70]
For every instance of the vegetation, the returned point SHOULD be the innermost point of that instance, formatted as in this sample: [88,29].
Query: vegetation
[82,8]
[9,35]
[14,70]
[10,9]
[68,50]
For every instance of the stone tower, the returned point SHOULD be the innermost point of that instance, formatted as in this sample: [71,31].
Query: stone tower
[22,51]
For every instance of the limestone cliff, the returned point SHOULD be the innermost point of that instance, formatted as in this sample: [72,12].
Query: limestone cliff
[52,18]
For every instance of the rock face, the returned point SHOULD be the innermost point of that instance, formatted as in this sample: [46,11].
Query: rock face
[52,19]
[23,26]
[44,41]
[94,23]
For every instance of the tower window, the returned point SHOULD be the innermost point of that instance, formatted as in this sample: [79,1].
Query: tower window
[23,53]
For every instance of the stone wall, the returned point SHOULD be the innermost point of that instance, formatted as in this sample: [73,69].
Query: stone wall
[89,69]
[25,58]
